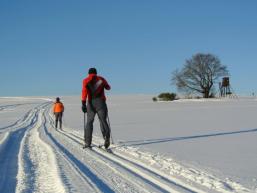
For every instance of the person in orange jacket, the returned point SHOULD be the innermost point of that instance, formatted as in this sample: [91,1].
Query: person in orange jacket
[94,102]
[58,110]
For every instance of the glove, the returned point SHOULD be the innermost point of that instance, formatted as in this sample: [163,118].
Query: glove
[84,107]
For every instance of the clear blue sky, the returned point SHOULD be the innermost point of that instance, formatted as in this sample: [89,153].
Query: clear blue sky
[47,46]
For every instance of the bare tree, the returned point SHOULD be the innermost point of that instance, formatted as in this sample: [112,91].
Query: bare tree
[199,74]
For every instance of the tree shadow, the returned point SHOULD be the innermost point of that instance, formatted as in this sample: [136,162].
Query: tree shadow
[192,137]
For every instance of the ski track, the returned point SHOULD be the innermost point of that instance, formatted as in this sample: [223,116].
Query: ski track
[106,177]
[102,155]
[167,168]
[13,106]
[20,122]
[151,178]
[192,176]
[34,157]
[9,150]
[38,171]
[84,178]
[3,137]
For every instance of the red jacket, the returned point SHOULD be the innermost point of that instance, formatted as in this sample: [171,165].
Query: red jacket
[93,86]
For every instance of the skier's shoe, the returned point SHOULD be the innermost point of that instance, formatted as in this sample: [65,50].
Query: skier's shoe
[86,146]
[106,143]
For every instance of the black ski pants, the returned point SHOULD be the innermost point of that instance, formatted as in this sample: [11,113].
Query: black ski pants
[58,118]
[96,106]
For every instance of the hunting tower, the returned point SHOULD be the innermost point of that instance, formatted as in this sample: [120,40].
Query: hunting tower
[225,88]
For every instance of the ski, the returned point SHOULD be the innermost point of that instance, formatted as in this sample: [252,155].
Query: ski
[101,147]
[104,149]
[86,147]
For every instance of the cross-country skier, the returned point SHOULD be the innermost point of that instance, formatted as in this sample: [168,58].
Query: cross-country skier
[94,102]
[58,110]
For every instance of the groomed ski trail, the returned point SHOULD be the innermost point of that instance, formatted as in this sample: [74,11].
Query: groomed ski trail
[38,170]
[107,178]
[143,174]
[24,120]
[189,180]
[43,169]
[35,157]
[9,150]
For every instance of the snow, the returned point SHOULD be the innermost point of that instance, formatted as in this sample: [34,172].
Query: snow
[12,109]
[218,136]
[180,146]
[38,170]
[3,137]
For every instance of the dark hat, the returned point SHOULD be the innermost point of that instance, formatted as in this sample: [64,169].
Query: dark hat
[92,71]
[57,99]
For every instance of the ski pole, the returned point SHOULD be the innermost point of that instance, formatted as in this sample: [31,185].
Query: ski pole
[110,128]
[84,121]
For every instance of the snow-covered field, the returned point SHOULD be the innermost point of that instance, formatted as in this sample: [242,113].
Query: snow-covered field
[180,146]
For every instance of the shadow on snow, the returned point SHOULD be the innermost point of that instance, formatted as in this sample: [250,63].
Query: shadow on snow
[192,137]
